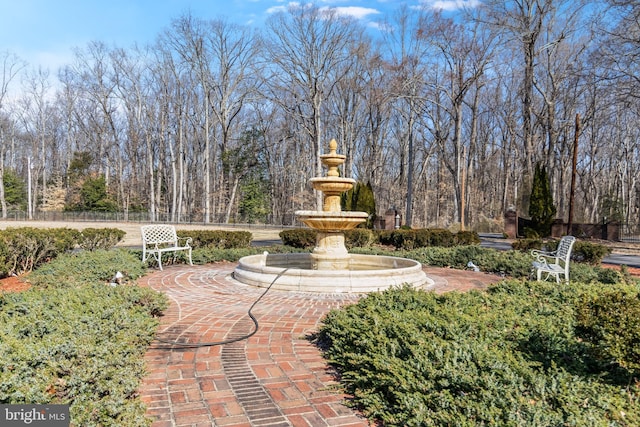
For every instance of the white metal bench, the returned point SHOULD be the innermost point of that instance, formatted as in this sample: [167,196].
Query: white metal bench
[160,238]
[554,263]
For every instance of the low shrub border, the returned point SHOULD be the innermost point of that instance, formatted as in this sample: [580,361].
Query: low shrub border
[402,239]
[26,248]
[222,239]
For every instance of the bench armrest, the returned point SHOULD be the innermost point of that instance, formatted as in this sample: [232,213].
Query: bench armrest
[543,256]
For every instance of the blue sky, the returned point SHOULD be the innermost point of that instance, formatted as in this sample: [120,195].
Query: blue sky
[45,32]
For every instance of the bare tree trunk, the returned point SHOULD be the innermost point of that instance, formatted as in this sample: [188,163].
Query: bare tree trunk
[151,172]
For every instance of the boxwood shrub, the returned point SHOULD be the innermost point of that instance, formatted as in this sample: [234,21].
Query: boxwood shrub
[302,238]
[610,321]
[358,238]
[223,239]
[401,239]
[92,239]
[24,249]
[407,239]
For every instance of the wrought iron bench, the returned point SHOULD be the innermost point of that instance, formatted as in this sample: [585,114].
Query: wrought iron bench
[554,263]
[160,238]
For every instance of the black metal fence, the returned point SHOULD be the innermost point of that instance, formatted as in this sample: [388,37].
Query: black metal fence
[143,217]
[630,233]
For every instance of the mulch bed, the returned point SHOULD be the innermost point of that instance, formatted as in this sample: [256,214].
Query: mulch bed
[13,284]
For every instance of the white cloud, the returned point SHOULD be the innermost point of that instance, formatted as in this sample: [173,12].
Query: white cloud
[451,5]
[355,11]
[277,9]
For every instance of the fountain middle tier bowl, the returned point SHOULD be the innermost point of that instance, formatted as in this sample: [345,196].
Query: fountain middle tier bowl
[331,221]
[332,184]
[365,273]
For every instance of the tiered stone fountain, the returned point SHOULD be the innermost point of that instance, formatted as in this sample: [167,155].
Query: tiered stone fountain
[330,268]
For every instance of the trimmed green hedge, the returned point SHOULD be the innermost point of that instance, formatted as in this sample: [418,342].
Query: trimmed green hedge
[222,239]
[401,239]
[507,357]
[23,249]
[26,248]
[302,238]
[92,239]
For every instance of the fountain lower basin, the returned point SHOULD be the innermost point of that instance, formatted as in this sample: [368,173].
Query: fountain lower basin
[364,273]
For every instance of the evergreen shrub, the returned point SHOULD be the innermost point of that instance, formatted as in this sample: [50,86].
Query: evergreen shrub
[510,263]
[610,321]
[541,208]
[408,239]
[92,239]
[78,269]
[583,251]
[222,239]
[358,237]
[211,254]
[440,237]
[590,253]
[75,340]
[506,357]
[466,238]
[24,249]
[301,238]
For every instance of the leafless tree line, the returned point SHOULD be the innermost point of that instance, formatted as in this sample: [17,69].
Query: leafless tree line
[445,117]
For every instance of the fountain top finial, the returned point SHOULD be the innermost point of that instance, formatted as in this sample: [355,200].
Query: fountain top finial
[333,146]
[332,160]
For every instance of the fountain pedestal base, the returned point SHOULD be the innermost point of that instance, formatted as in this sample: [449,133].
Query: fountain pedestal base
[330,252]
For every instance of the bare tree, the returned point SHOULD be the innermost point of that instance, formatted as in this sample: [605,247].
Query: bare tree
[406,54]
[12,65]
[522,22]
[308,50]
[462,55]
[235,82]
[36,112]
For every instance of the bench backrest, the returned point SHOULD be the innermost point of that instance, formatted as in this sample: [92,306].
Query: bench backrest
[157,233]
[563,253]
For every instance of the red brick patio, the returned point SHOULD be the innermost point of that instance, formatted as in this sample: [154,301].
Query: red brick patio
[275,378]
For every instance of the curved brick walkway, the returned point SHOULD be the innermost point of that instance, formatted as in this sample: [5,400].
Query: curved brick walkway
[275,378]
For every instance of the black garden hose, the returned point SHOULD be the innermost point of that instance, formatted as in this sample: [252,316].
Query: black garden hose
[180,345]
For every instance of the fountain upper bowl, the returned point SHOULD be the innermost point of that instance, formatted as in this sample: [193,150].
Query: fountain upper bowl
[332,184]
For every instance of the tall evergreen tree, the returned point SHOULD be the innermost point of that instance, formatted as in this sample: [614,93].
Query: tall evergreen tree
[541,208]
[361,199]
